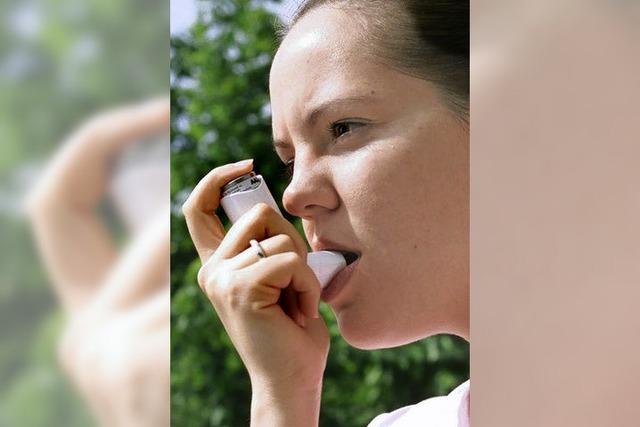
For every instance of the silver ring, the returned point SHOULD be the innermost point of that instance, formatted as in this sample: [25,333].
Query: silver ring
[259,251]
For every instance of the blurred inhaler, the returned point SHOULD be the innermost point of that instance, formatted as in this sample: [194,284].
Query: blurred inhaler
[139,185]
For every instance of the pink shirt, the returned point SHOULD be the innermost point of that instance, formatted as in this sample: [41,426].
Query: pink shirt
[451,410]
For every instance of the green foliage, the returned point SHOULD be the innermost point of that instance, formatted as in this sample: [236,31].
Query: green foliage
[220,114]
[41,395]
[80,58]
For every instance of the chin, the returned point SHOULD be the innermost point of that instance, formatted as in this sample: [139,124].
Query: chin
[378,333]
[361,341]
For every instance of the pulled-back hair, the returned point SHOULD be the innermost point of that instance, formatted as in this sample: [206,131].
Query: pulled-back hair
[428,39]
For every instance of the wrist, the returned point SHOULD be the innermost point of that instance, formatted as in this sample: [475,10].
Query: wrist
[285,406]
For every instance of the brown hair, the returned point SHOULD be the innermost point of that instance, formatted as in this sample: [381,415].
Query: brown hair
[428,39]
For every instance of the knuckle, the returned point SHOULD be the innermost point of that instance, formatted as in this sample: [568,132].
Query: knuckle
[257,298]
[209,278]
[218,172]
[258,216]
[235,293]
[284,241]
[261,210]
[291,259]
[290,242]
[225,280]
[222,288]
[203,277]
[233,296]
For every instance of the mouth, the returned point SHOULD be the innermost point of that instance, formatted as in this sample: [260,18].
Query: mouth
[350,257]
[330,293]
[350,254]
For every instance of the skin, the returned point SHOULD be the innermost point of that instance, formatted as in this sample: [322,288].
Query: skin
[391,185]
[115,344]
[394,187]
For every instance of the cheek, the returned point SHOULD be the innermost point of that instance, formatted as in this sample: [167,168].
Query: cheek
[407,201]
[407,198]
[380,184]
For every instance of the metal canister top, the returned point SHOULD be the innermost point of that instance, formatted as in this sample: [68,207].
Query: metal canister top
[242,183]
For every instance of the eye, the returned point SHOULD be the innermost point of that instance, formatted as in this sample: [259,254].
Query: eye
[341,128]
[288,169]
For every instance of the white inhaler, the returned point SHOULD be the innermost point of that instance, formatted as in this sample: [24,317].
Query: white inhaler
[244,192]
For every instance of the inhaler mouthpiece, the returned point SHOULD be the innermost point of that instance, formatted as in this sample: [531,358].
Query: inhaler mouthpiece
[325,265]
[243,193]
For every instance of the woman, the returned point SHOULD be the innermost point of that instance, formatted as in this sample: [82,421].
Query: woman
[370,114]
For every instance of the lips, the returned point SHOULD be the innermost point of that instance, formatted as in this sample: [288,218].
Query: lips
[340,280]
[351,255]
[338,283]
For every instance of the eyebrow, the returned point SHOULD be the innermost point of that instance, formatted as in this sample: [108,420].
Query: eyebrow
[278,143]
[314,113]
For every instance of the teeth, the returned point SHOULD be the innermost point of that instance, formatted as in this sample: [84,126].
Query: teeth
[349,257]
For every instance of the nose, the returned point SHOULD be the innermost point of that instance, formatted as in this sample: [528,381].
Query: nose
[311,190]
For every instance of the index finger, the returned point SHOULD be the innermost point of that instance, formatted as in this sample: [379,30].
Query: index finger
[73,240]
[261,222]
[204,226]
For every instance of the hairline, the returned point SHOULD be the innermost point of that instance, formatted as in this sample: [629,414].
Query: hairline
[369,30]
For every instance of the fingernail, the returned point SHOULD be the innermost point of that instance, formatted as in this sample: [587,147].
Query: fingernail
[246,162]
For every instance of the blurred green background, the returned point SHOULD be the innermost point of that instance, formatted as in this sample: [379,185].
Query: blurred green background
[60,62]
[220,113]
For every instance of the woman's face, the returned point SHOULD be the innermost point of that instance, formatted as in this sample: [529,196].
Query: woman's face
[381,169]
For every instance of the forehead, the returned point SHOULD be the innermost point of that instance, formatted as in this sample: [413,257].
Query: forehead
[326,29]
[322,56]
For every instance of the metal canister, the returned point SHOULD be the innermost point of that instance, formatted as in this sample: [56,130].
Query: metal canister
[241,194]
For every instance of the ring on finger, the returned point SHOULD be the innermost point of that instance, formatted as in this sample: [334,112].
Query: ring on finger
[256,246]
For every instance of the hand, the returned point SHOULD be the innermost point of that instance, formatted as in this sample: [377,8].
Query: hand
[268,306]
[115,346]
[116,349]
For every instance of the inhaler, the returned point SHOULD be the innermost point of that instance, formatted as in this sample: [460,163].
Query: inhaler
[244,192]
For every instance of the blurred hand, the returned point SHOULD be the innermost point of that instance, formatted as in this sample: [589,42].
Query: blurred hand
[269,306]
[115,347]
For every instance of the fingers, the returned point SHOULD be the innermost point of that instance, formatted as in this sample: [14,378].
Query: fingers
[74,243]
[289,299]
[273,245]
[129,124]
[204,226]
[280,271]
[259,223]
[77,175]
[277,244]
[291,306]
